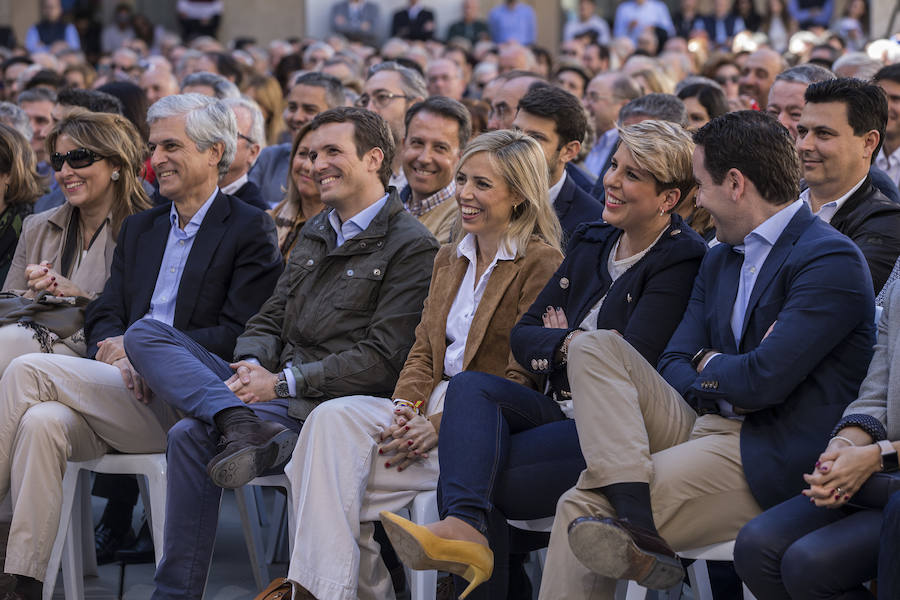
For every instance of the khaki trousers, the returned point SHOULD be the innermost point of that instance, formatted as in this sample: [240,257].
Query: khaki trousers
[634,427]
[16,340]
[340,484]
[56,408]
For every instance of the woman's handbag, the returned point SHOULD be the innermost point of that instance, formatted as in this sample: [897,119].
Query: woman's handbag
[53,318]
[279,589]
[876,491]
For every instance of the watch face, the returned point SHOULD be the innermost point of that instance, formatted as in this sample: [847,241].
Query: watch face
[282,390]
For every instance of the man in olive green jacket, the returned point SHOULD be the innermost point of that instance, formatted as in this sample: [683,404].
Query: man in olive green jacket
[341,322]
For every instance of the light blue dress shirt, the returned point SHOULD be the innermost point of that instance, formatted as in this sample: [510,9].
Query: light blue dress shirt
[355,224]
[598,155]
[517,23]
[756,247]
[651,13]
[178,248]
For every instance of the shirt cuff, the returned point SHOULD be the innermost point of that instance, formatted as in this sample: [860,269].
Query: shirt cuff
[252,360]
[291,381]
[708,360]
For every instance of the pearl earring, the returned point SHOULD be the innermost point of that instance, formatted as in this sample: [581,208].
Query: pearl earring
[114,176]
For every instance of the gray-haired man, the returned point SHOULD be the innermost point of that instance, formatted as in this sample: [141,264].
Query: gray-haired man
[57,408]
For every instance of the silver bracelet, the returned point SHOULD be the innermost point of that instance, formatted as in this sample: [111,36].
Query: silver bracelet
[842,438]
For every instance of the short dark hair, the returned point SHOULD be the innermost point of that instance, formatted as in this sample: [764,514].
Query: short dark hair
[334,90]
[369,131]
[663,107]
[866,104]
[889,73]
[757,145]
[46,78]
[92,100]
[562,107]
[447,108]
[710,97]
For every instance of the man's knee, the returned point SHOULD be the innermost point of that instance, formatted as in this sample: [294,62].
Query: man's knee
[467,385]
[592,343]
[48,424]
[140,333]
[752,540]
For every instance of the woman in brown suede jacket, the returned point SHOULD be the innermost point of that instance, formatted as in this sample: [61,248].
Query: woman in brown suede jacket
[359,455]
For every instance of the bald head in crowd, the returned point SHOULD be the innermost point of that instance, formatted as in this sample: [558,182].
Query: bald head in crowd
[507,96]
[759,74]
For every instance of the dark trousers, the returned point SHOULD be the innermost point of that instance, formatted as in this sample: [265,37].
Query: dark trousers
[889,552]
[798,551]
[184,374]
[506,452]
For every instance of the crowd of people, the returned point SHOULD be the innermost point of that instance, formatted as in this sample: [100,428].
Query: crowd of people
[642,284]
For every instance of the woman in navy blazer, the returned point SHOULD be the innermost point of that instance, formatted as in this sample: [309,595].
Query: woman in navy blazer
[509,452]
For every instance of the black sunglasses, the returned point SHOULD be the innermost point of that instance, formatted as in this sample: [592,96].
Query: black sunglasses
[77,159]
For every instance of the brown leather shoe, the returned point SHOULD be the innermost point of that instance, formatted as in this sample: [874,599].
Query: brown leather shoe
[618,549]
[249,449]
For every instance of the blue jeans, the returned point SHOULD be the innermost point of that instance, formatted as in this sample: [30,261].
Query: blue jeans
[184,374]
[506,452]
[796,550]
[889,553]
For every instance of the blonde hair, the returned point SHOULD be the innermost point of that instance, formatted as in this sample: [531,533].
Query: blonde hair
[116,139]
[657,81]
[664,150]
[17,160]
[519,160]
[267,94]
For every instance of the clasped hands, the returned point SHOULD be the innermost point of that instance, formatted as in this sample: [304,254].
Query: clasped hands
[252,382]
[839,473]
[41,277]
[408,438]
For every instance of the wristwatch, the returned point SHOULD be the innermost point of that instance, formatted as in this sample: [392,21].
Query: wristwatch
[695,361]
[888,456]
[281,386]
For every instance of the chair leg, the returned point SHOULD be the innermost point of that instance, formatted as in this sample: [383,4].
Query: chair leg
[72,560]
[698,574]
[88,546]
[423,509]
[249,511]
[629,590]
[277,531]
[156,515]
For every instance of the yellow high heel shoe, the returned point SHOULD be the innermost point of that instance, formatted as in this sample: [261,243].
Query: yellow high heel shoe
[422,550]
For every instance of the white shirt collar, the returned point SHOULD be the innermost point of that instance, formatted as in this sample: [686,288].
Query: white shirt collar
[556,187]
[466,247]
[829,209]
[235,185]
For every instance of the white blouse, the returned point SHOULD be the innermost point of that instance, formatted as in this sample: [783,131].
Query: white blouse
[469,294]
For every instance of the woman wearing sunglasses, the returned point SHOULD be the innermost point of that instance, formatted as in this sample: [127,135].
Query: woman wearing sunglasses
[67,251]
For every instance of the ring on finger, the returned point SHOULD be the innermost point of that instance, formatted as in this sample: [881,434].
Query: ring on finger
[839,491]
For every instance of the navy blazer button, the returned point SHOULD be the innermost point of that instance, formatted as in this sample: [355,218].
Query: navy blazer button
[534,364]
[564,283]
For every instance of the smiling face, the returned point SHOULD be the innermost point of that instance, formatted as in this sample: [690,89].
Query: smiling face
[88,186]
[304,102]
[632,202]
[430,152]
[892,132]
[40,115]
[833,158]
[543,130]
[697,115]
[758,74]
[717,199]
[183,171]
[343,178]
[484,199]
[302,171]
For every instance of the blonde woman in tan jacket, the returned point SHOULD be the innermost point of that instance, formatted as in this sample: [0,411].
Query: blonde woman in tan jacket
[67,251]
[359,455]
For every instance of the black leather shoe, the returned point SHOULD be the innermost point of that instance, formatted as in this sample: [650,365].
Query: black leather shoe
[141,551]
[108,540]
[618,549]
[247,450]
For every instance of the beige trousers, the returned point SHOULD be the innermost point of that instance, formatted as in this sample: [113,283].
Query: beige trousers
[340,484]
[56,408]
[16,340]
[633,426]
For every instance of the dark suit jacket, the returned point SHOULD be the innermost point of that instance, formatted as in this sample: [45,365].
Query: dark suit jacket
[708,24]
[815,287]
[251,194]
[873,223]
[885,184]
[231,270]
[415,29]
[582,178]
[598,191]
[270,172]
[645,303]
[574,206]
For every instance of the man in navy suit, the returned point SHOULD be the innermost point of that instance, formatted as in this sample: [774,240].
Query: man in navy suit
[555,118]
[203,263]
[774,344]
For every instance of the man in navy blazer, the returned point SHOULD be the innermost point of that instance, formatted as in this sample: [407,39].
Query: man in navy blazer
[556,120]
[774,344]
[203,264]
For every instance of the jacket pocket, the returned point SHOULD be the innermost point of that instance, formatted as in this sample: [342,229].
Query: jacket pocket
[358,288]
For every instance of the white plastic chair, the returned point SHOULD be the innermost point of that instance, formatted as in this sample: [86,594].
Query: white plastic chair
[252,520]
[423,509]
[74,545]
